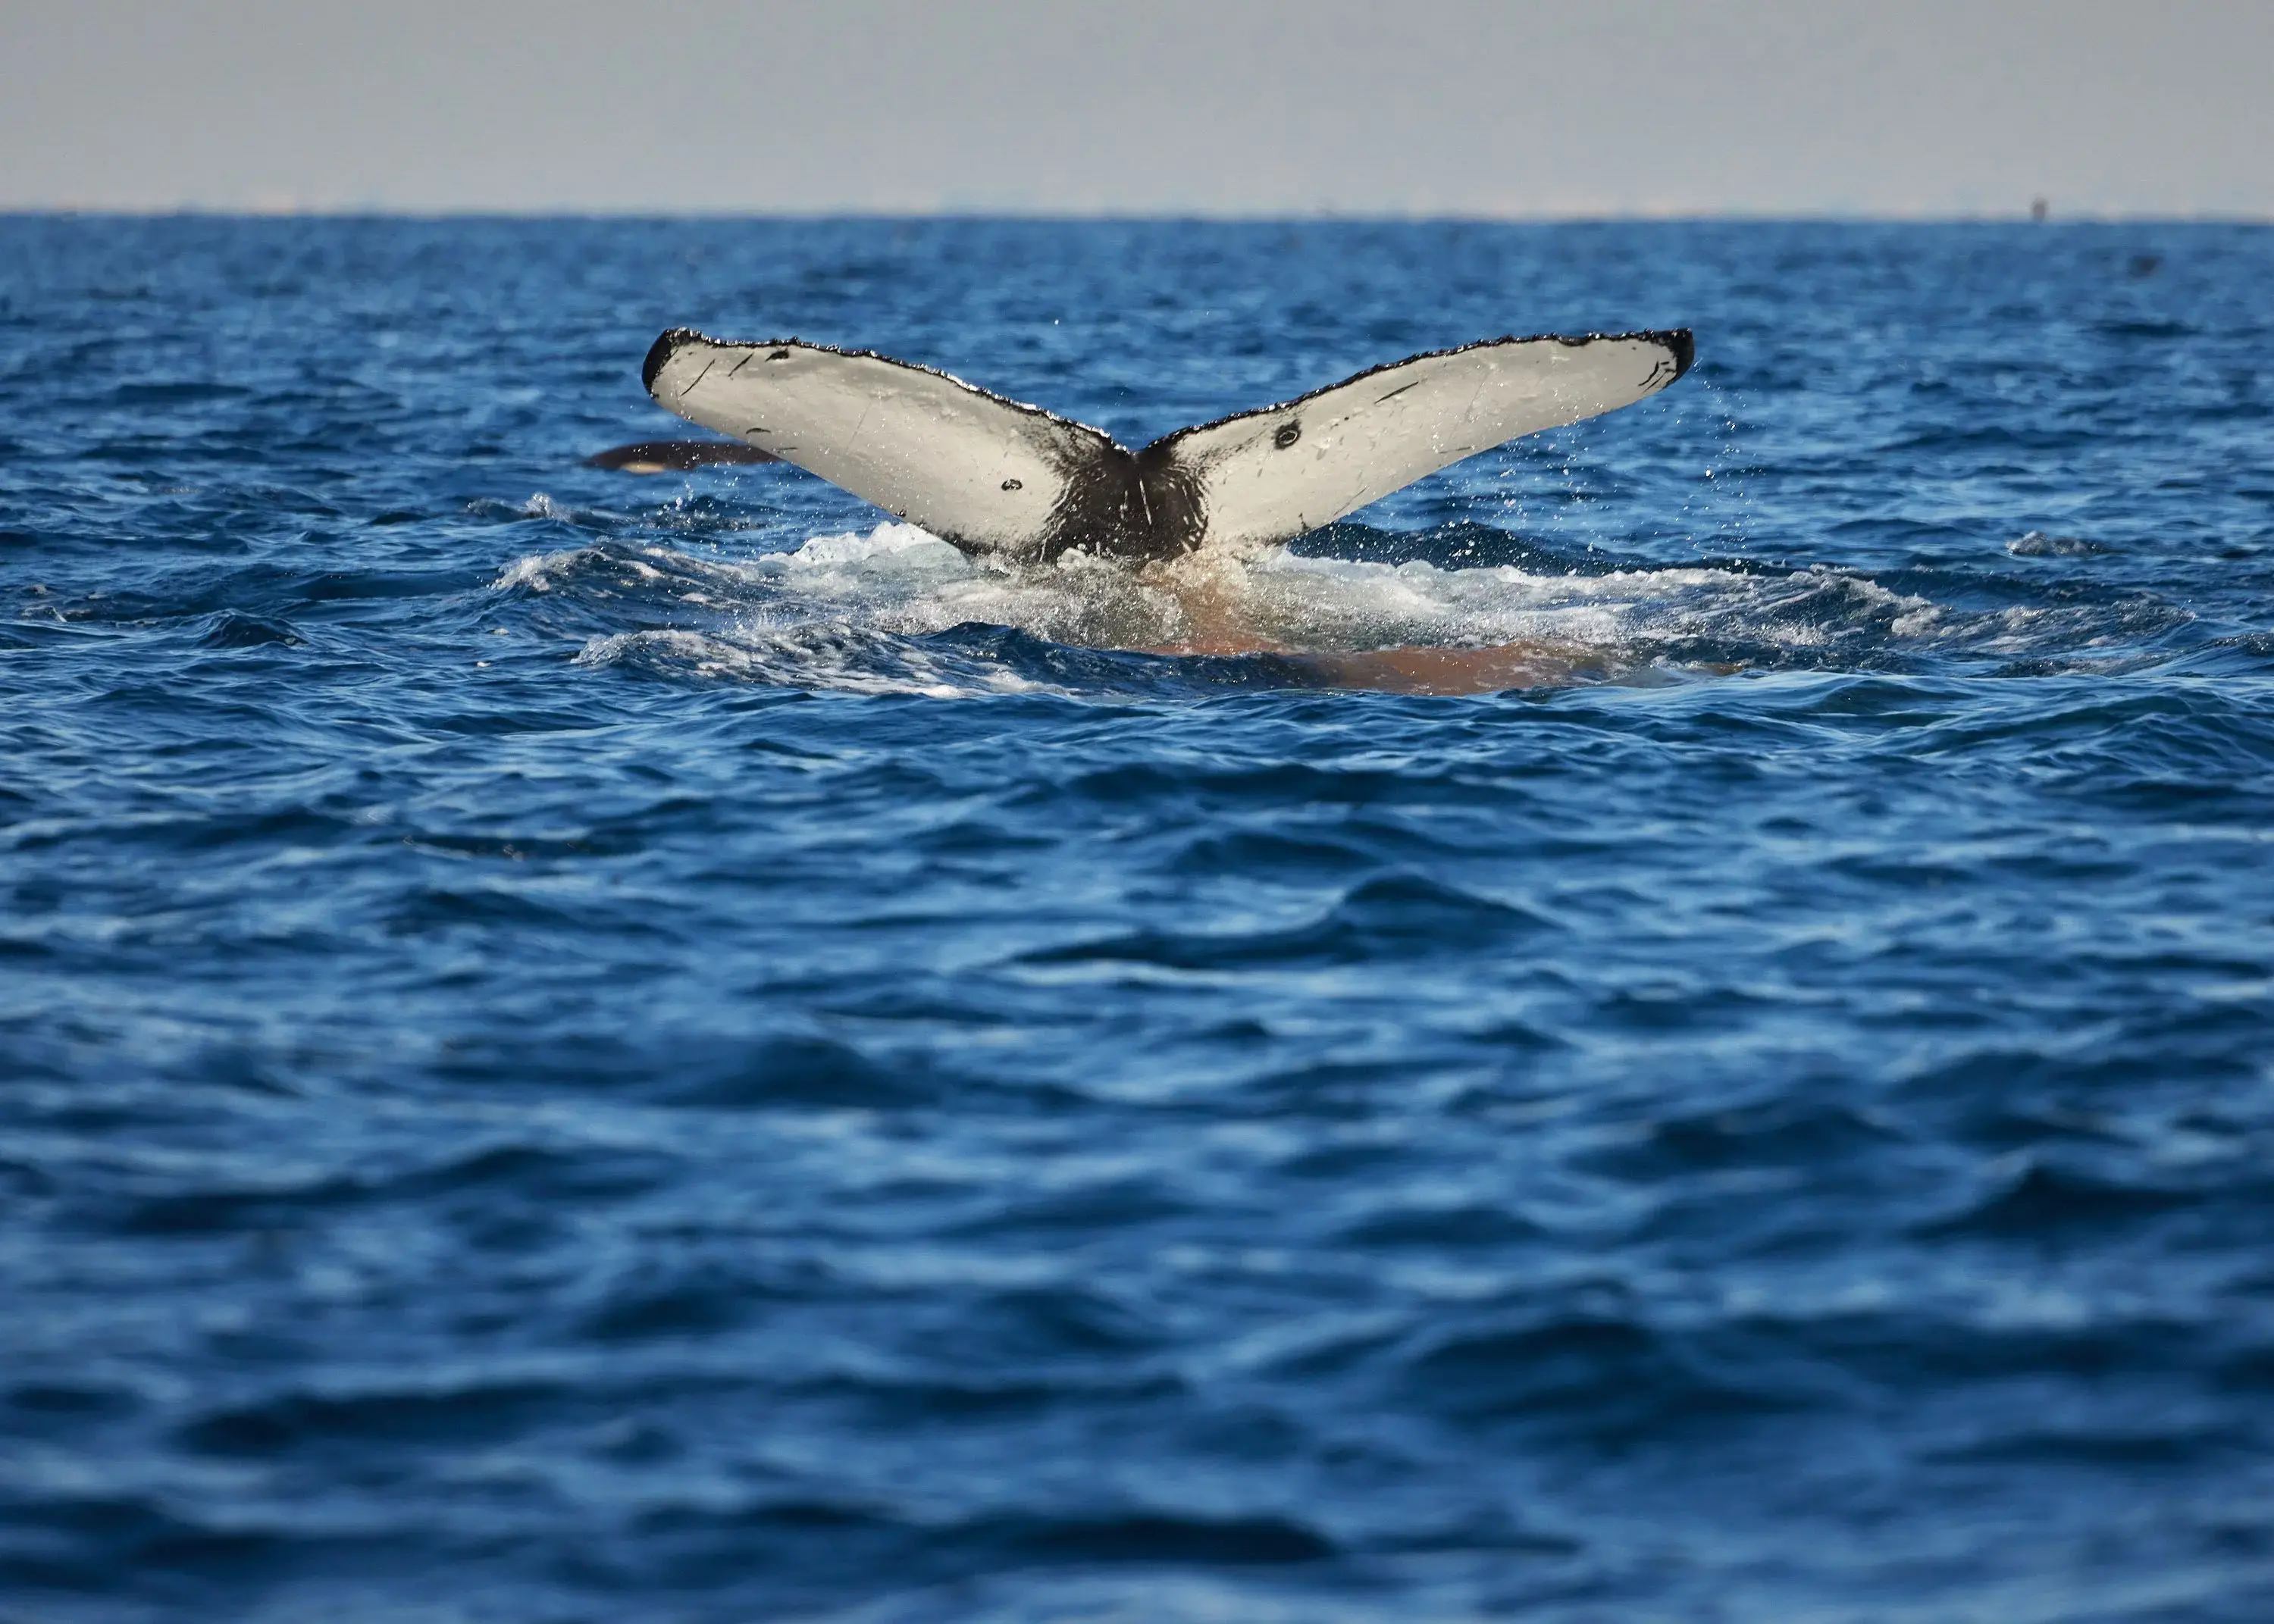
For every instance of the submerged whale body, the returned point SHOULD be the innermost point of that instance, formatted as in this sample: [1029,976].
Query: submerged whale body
[994,475]
[674,457]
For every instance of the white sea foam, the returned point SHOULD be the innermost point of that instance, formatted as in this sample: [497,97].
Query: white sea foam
[848,610]
[540,570]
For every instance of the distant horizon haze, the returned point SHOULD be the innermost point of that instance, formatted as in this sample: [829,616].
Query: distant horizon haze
[1439,108]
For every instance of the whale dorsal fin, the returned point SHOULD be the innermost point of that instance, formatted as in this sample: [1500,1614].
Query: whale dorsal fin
[993,475]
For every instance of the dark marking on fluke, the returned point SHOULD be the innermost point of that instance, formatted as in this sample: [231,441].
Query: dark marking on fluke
[1139,505]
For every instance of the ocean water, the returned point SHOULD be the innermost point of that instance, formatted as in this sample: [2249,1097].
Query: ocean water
[580,1047]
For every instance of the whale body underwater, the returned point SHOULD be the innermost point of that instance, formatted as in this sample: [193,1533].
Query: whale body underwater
[996,476]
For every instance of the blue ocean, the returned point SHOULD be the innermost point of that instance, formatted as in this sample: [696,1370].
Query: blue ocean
[585,1048]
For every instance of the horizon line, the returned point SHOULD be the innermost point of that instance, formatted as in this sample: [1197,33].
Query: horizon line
[282,210]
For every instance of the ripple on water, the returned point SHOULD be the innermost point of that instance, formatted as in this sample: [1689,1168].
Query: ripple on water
[679,1049]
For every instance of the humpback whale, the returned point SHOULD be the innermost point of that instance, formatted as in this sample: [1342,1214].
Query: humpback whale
[996,477]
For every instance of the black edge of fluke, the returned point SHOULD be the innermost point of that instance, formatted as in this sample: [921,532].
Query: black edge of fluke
[1684,346]
[661,351]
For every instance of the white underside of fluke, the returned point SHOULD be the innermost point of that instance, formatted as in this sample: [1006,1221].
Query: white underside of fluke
[993,475]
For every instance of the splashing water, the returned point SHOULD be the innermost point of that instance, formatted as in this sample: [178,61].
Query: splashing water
[863,612]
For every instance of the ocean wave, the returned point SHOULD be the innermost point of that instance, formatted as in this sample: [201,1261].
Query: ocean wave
[544,1073]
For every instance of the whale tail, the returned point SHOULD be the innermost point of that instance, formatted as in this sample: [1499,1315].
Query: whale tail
[993,475]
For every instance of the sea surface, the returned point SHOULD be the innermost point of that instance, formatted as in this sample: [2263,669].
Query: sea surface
[580,1047]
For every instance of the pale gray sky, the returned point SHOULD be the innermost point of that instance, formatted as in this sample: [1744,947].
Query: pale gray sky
[1168,106]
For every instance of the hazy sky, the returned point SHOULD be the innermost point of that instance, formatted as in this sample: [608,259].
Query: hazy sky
[1162,106]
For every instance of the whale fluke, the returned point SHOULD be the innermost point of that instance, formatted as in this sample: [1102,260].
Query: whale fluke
[671,456]
[993,475]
